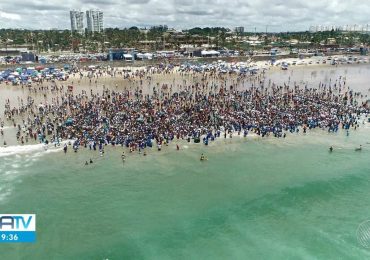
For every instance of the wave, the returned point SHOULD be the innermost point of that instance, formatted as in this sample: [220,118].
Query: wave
[4,193]
[35,149]
[8,127]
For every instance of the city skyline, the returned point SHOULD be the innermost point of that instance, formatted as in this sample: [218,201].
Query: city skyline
[94,21]
[254,15]
[77,21]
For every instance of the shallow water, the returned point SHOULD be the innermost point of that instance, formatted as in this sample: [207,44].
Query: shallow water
[357,76]
[271,198]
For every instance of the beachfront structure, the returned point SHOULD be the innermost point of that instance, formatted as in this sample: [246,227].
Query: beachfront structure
[347,28]
[77,21]
[94,20]
[210,53]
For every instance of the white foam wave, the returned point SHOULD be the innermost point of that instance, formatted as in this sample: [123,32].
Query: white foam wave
[10,172]
[49,150]
[35,149]
[20,149]
[15,165]
[4,194]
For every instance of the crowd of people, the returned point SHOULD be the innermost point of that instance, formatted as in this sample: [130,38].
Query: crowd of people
[215,105]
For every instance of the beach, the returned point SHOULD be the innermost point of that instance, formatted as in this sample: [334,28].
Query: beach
[255,197]
[166,90]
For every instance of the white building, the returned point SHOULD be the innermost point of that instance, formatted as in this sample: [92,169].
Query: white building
[94,20]
[77,21]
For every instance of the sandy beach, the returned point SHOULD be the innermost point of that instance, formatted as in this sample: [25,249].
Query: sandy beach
[167,81]
[251,191]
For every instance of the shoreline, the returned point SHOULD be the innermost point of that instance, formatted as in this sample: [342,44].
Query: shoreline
[40,149]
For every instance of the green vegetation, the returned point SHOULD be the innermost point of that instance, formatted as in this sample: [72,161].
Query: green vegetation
[160,37]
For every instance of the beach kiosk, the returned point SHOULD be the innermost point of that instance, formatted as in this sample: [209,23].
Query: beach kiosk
[128,57]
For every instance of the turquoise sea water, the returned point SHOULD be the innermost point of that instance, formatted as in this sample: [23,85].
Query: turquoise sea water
[253,199]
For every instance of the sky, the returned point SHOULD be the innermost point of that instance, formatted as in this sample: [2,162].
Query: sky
[275,15]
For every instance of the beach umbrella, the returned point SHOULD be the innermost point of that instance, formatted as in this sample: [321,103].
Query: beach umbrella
[39,68]
[69,122]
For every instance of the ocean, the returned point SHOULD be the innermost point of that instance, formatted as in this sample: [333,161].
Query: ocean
[252,199]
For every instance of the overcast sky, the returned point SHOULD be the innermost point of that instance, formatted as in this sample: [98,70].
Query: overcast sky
[282,15]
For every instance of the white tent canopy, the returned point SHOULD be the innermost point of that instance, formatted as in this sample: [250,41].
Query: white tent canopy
[148,56]
[128,57]
[210,53]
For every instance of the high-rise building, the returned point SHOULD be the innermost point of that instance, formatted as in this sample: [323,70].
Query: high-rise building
[239,29]
[77,21]
[94,20]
